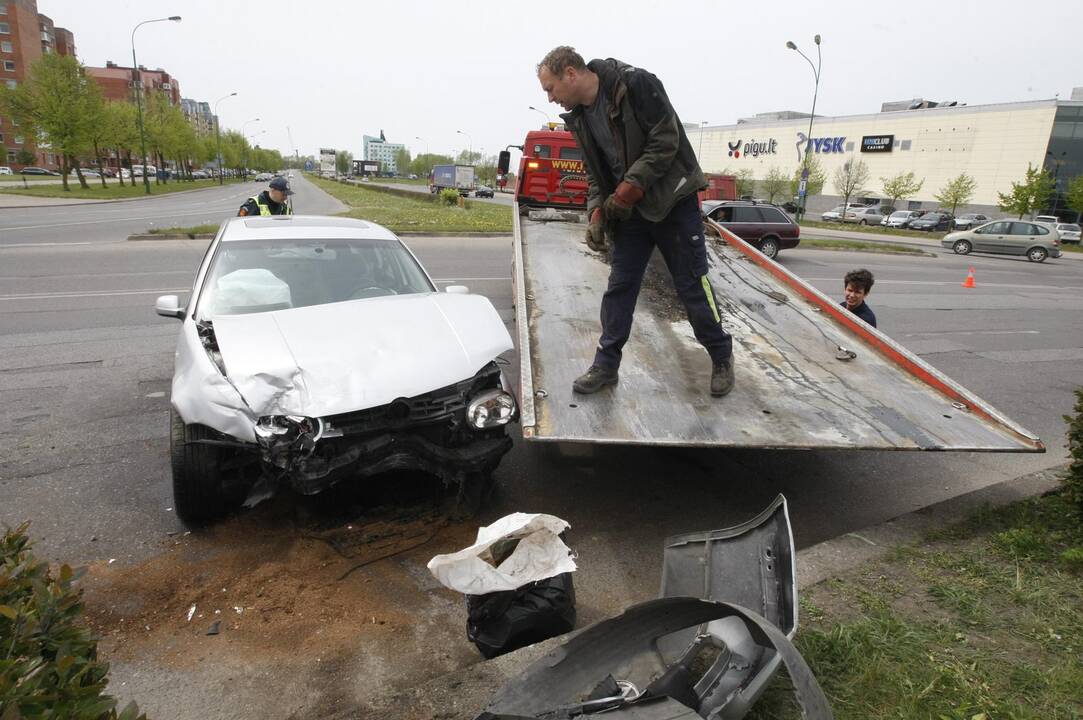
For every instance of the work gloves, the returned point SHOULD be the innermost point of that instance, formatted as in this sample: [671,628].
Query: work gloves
[618,206]
[596,231]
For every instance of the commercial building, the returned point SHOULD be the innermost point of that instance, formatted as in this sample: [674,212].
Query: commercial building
[25,35]
[199,114]
[383,152]
[994,144]
[117,82]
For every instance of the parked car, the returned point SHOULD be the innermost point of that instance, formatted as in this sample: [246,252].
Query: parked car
[969,220]
[86,173]
[31,170]
[900,218]
[483,191]
[5,170]
[1009,237]
[1069,232]
[933,221]
[763,226]
[200,175]
[1048,219]
[151,170]
[264,177]
[266,383]
[835,215]
[863,216]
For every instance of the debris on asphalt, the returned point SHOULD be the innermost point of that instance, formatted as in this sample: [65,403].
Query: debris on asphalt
[191,612]
[214,628]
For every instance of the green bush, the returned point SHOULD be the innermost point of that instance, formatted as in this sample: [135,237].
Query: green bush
[448,196]
[48,658]
[1073,480]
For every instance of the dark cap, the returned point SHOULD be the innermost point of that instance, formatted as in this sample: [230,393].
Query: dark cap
[280,183]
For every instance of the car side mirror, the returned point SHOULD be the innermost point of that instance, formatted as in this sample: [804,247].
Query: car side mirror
[504,163]
[169,306]
[457,290]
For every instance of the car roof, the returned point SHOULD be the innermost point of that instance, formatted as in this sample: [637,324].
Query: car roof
[308,227]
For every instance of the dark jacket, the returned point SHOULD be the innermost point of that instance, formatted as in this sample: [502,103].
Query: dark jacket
[864,312]
[658,157]
[251,207]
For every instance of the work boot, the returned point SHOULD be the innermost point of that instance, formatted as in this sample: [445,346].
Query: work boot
[722,378]
[594,379]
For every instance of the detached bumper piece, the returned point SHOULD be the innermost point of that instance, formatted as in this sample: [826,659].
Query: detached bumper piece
[681,656]
[428,432]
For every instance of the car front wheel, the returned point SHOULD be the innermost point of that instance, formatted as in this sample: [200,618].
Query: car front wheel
[962,247]
[769,247]
[862,223]
[1037,254]
[200,493]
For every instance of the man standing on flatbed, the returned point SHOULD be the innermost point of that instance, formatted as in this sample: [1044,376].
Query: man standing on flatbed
[643,179]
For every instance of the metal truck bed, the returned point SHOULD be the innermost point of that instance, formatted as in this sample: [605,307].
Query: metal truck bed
[809,373]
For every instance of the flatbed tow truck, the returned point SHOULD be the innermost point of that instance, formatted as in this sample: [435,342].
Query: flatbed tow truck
[810,374]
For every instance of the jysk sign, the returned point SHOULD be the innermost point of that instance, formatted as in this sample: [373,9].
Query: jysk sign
[877,143]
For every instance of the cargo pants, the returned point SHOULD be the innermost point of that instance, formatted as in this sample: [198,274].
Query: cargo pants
[679,238]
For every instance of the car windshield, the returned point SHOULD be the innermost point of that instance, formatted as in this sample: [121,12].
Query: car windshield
[931,216]
[253,276]
[900,214]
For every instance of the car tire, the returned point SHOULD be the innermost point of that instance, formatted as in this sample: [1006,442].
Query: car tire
[769,247]
[862,222]
[962,247]
[200,494]
[1037,254]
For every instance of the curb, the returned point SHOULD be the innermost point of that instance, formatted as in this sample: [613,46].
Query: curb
[461,694]
[171,236]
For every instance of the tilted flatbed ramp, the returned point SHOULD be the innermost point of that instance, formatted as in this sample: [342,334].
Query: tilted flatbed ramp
[794,389]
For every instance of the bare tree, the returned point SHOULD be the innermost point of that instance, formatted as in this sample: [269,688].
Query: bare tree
[850,179]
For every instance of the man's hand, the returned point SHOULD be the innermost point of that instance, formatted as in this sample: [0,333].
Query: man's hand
[618,206]
[596,231]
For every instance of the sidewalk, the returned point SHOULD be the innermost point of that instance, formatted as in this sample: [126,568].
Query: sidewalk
[462,694]
[7,200]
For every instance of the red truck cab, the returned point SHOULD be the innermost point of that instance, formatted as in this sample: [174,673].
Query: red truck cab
[551,171]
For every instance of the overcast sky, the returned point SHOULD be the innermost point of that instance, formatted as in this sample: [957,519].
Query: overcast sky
[333,71]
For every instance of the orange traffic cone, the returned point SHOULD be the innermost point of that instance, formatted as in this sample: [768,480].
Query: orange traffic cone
[969,282]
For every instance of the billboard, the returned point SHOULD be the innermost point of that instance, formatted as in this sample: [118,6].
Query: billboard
[327,161]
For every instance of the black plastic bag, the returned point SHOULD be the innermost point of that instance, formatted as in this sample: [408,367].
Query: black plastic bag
[500,622]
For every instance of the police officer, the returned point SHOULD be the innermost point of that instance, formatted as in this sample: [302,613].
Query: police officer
[271,201]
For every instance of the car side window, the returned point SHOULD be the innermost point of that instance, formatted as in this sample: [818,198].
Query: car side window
[746,215]
[1022,228]
[1039,230]
[773,215]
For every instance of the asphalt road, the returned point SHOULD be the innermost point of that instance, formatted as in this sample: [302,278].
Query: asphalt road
[498,197]
[114,221]
[85,369]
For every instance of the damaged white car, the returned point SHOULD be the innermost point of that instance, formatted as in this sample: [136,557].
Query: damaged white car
[315,350]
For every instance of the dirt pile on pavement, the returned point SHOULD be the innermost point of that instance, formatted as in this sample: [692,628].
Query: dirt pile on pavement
[270,591]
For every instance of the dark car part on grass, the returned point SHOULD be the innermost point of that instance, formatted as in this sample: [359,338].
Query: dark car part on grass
[699,651]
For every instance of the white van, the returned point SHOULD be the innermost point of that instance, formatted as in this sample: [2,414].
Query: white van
[137,170]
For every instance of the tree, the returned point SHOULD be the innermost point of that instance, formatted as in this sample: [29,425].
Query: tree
[52,105]
[468,157]
[122,133]
[1029,195]
[957,192]
[901,186]
[422,164]
[817,177]
[343,162]
[775,184]
[746,183]
[25,157]
[850,179]
[402,161]
[1074,196]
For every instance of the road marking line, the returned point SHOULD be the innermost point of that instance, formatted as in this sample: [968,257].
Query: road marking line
[47,244]
[101,293]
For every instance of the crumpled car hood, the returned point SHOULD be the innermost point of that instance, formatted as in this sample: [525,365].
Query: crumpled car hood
[341,357]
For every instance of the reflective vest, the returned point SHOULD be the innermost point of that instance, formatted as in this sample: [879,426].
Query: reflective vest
[266,209]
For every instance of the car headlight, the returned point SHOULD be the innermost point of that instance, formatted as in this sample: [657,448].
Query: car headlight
[287,428]
[490,409]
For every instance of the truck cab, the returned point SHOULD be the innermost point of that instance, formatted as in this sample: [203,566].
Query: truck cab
[551,171]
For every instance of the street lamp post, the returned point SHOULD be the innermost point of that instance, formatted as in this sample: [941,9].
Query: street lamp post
[469,140]
[138,78]
[543,113]
[803,192]
[218,135]
[246,123]
[699,152]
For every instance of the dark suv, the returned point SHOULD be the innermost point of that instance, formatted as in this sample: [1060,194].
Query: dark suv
[934,221]
[762,225]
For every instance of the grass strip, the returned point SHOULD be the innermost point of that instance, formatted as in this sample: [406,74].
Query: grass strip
[876,229]
[112,191]
[982,620]
[193,230]
[863,246]
[422,214]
